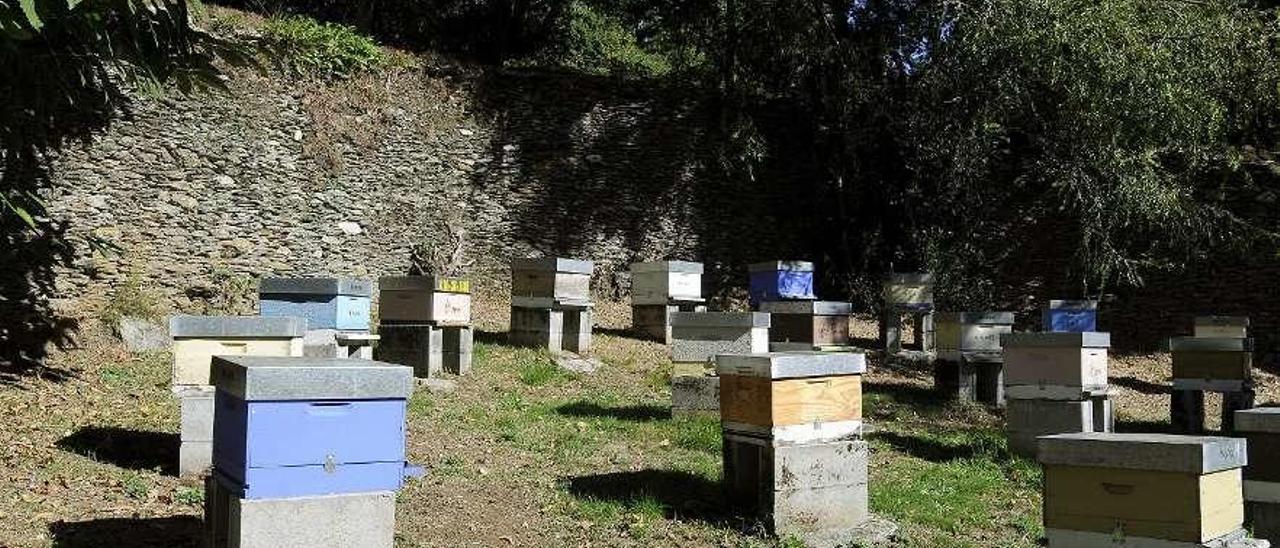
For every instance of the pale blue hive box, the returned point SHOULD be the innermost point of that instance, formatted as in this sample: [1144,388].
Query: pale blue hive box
[1070,317]
[326,303]
[289,427]
[781,280]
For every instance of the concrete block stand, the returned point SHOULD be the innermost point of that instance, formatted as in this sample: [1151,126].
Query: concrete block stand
[365,520]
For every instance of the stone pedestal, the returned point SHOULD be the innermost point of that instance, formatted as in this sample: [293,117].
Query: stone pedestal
[1186,405]
[975,377]
[428,349]
[562,329]
[653,321]
[195,452]
[366,520]
[695,395]
[1027,420]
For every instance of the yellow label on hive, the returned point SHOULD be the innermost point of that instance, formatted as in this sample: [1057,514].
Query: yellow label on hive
[453,285]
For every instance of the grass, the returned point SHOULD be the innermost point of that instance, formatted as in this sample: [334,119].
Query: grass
[520,453]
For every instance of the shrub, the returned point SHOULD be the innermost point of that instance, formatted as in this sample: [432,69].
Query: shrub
[326,50]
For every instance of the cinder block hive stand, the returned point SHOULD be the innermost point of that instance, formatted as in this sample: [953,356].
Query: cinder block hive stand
[196,340]
[425,323]
[551,304]
[307,452]
[970,364]
[909,295]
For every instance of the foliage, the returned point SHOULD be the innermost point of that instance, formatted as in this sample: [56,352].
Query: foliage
[593,41]
[322,49]
[131,300]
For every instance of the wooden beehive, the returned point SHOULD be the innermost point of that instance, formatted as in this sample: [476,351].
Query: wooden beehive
[1212,358]
[792,396]
[1045,364]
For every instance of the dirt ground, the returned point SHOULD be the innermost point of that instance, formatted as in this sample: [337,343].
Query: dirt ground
[522,454]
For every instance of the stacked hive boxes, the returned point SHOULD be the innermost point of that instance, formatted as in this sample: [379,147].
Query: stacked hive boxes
[1261,427]
[336,310]
[1218,359]
[425,322]
[551,304]
[307,452]
[808,325]
[1143,490]
[1055,383]
[1070,316]
[792,447]
[910,294]
[780,281]
[696,339]
[660,288]
[970,363]
[196,340]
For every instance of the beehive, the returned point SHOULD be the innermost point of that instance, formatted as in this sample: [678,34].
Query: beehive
[196,339]
[325,303]
[1055,365]
[661,282]
[969,332]
[1261,426]
[1070,316]
[544,283]
[1212,358]
[424,299]
[1222,327]
[909,290]
[1143,486]
[781,280]
[816,323]
[791,396]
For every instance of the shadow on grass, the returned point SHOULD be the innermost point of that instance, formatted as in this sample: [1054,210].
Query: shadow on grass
[500,338]
[636,413]
[621,333]
[977,445]
[167,532]
[131,449]
[911,395]
[683,496]
[1142,386]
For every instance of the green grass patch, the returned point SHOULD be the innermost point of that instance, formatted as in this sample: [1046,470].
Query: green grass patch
[189,496]
[539,372]
[321,49]
[136,486]
[699,434]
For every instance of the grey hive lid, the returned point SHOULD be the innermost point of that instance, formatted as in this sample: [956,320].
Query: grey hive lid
[772,266]
[259,378]
[969,318]
[815,308]
[1209,344]
[425,283]
[553,264]
[1156,452]
[1072,305]
[913,278]
[682,267]
[719,319]
[1223,321]
[789,365]
[1087,339]
[317,286]
[1265,420]
[242,327]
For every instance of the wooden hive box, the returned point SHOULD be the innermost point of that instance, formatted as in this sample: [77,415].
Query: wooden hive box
[1143,486]
[817,323]
[424,299]
[1261,427]
[197,339]
[1055,365]
[909,290]
[550,282]
[1212,358]
[956,333]
[326,303]
[1222,327]
[662,282]
[792,397]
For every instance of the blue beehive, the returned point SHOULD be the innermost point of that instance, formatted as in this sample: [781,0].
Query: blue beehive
[781,280]
[290,427]
[1070,317]
[326,303]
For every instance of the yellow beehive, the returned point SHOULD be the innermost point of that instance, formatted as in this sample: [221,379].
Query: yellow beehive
[196,339]
[791,396]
